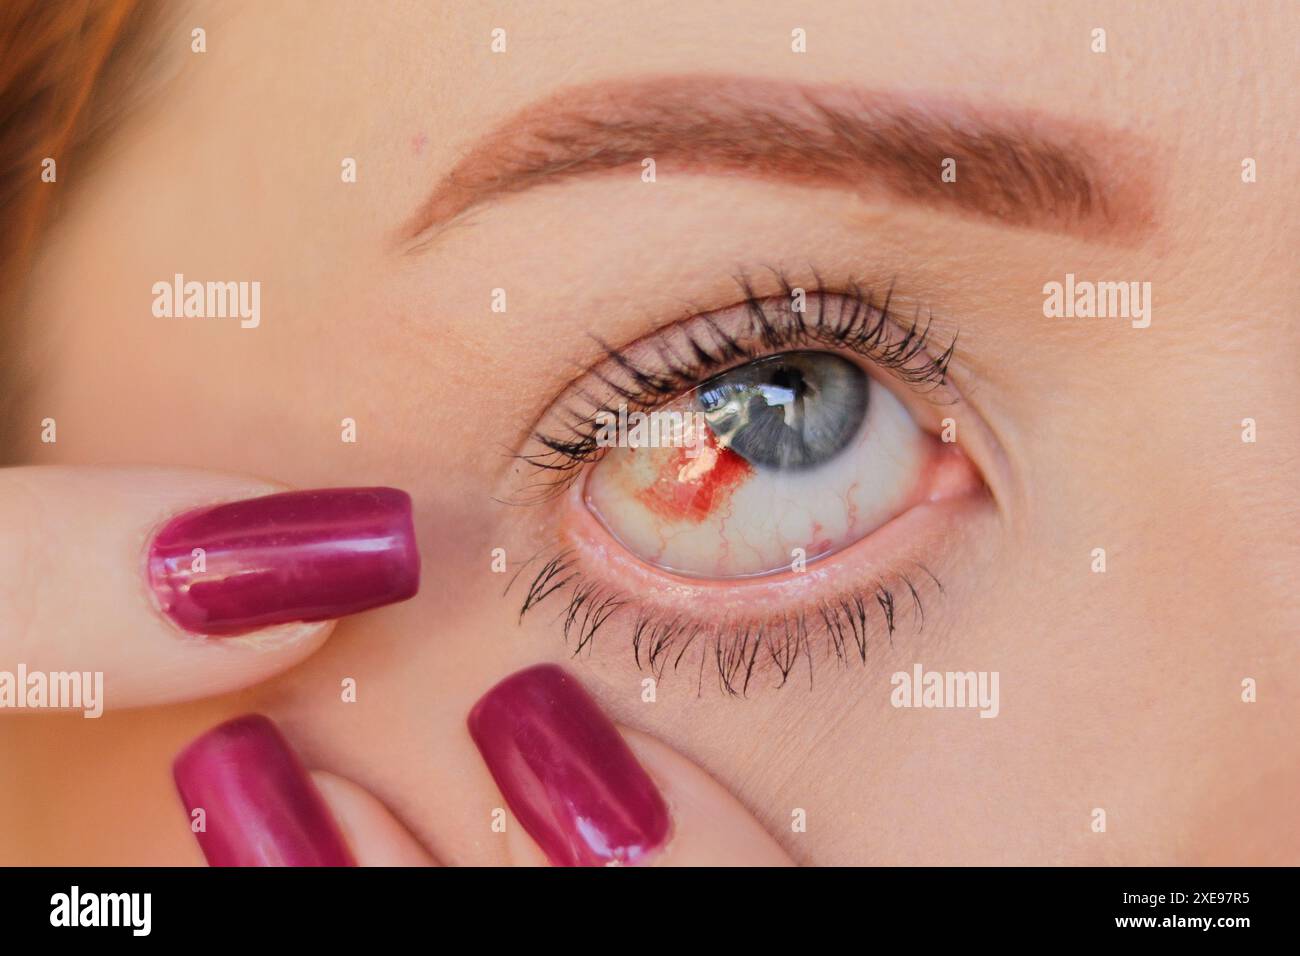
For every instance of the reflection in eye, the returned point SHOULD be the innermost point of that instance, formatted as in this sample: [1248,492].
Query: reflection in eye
[787,412]
[797,450]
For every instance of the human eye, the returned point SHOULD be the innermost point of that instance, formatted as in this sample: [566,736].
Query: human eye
[717,479]
[785,459]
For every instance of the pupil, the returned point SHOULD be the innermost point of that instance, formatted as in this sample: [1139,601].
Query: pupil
[790,380]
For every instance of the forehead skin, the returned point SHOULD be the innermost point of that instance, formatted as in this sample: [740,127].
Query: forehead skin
[1119,690]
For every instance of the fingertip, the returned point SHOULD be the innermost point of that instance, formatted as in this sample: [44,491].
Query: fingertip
[376,837]
[241,566]
[251,802]
[710,826]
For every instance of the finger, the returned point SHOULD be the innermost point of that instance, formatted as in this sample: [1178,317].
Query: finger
[176,585]
[373,833]
[585,799]
[251,803]
[710,826]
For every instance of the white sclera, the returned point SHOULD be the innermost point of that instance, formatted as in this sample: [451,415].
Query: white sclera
[756,518]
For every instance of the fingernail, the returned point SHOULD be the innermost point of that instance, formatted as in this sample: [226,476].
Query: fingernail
[259,806]
[298,556]
[566,773]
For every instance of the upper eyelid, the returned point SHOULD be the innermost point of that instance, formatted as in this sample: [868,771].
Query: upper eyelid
[652,346]
[898,345]
[555,437]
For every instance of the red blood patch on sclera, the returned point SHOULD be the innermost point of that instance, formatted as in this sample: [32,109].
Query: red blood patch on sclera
[692,489]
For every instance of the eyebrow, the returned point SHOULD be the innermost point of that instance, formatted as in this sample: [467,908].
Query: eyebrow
[1018,169]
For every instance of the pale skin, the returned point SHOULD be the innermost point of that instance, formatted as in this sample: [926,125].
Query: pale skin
[1120,691]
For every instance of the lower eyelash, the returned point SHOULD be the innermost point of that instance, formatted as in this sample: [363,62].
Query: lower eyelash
[841,627]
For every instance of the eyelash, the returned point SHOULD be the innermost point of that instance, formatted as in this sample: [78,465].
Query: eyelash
[858,325]
[845,318]
[843,623]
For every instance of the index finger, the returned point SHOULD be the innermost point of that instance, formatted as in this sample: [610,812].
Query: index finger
[174,585]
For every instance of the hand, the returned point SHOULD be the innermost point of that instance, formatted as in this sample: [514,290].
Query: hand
[580,792]
[178,585]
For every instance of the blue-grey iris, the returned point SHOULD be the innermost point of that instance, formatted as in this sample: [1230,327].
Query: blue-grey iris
[792,411]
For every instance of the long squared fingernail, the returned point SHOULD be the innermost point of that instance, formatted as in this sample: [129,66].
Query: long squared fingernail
[259,807]
[297,556]
[565,771]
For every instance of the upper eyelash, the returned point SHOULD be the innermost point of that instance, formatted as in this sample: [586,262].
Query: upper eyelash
[858,325]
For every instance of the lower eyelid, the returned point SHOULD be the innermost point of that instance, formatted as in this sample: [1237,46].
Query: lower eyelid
[755,635]
[579,581]
[904,549]
[880,592]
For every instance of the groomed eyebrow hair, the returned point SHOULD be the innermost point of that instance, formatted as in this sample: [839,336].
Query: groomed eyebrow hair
[1017,169]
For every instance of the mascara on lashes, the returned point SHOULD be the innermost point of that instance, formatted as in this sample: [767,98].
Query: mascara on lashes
[837,628]
[684,356]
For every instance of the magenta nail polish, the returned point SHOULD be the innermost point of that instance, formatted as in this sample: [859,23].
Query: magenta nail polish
[297,556]
[565,772]
[259,806]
